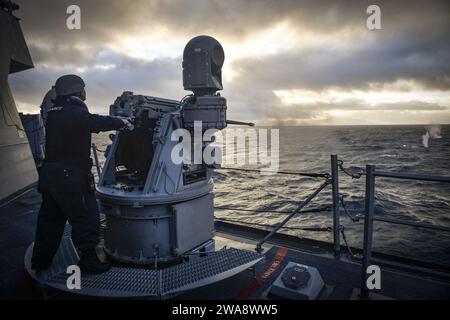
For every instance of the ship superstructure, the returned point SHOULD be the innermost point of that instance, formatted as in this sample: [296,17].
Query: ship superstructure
[17,167]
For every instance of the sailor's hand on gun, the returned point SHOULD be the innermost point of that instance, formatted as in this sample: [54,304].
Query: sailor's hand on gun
[128,123]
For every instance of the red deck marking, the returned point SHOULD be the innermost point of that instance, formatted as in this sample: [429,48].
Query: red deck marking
[274,265]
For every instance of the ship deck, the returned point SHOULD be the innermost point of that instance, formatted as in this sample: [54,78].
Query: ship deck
[341,276]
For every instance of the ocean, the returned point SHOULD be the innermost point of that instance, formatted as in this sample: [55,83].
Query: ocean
[308,149]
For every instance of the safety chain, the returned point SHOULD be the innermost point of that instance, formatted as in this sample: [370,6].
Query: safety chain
[350,251]
[354,219]
[356,175]
[353,175]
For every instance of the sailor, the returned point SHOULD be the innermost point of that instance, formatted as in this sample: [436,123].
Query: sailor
[65,179]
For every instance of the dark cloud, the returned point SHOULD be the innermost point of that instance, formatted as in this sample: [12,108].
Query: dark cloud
[58,55]
[160,77]
[101,19]
[355,68]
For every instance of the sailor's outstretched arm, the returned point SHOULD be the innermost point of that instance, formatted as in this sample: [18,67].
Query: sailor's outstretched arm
[96,123]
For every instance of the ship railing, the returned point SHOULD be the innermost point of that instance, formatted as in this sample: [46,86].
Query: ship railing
[371,173]
[330,179]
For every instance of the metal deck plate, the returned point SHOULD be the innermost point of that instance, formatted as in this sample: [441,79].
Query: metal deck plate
[205,270]
[144,282]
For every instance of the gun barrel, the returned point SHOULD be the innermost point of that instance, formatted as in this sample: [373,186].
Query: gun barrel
[251,124]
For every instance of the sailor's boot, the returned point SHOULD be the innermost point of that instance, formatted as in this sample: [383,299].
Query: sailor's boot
[91,264]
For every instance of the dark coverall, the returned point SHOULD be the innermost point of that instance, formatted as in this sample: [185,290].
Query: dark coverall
[66,182]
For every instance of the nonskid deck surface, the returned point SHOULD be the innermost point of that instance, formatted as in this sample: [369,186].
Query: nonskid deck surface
[17,227]
[145,282]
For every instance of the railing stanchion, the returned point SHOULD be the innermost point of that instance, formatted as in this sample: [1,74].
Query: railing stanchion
[368,227]
[336,215]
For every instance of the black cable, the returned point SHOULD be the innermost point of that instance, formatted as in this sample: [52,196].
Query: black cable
[306,174]
[184,98]
[319,209]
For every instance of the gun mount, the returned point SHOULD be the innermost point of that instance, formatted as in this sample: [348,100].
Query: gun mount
[157,209]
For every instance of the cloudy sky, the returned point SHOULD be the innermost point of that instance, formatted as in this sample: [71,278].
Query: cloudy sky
[287,62]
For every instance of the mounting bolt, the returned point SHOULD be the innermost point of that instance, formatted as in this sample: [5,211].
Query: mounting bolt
[259,248]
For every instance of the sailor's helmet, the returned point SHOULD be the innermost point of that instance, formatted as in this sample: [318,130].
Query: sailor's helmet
[69,84]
